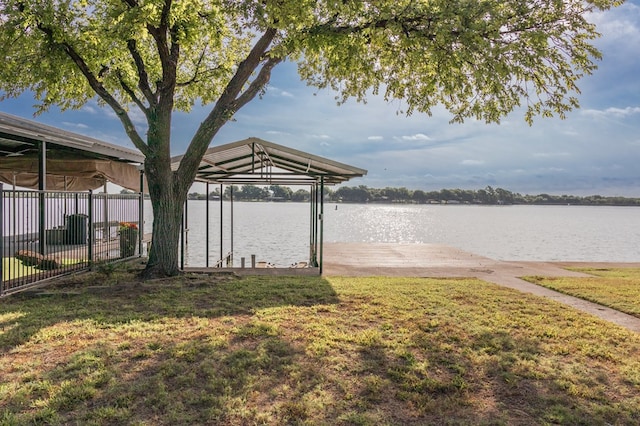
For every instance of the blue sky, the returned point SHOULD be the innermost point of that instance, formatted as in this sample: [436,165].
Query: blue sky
[596,150]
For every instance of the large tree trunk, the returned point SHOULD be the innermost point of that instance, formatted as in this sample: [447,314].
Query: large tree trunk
[168,189]
[168,193]
[167,215]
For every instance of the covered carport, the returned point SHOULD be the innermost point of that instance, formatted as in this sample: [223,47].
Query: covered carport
[51,222]
[254,161]
[37,156]
[44,158]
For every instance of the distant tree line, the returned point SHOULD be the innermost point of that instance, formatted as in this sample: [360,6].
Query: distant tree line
[364,194]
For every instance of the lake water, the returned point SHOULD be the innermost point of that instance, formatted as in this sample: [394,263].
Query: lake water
[279,232]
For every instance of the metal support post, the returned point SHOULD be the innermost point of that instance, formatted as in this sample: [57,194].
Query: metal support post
[321,221]
[231,196]
[91,233]
[42,200]
[2,239]
[182,236]
[141,214]
[221,228]
[206,226]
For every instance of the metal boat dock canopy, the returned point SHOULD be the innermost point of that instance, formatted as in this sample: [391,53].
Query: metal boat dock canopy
[256,161]
[73,162]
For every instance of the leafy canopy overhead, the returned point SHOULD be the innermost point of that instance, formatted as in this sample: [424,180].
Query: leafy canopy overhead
[478,58]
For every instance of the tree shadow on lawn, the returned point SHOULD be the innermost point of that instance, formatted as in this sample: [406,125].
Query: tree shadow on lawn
[127,300]
[484,381]
[203,356]
[119,376]
[254,379]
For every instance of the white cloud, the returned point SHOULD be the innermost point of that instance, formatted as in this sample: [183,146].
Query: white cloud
[571,132]
[472,162]
[416,137]
[375,138]
[554,170]
[550,154]
[76,125]
[323,137]
[612,112]
[276,91]
[619,24]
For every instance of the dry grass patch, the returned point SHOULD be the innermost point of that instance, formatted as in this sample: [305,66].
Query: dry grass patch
[617,288]
[308,350]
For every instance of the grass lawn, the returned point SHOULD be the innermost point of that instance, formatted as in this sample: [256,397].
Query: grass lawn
[616,288]
[13,268]
[105,349]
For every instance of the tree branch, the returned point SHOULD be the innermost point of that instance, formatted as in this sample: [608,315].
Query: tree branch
[143,77]
[409,25]
[257,84]
[164,16]
[97,86]
[168,54]
[131,93]
[247,67]
[224,107]
[196,72]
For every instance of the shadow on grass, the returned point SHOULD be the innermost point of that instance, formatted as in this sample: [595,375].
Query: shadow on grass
[201,377]
[193,382]
[492,377]
[130,300]
[440,382]
[286,350]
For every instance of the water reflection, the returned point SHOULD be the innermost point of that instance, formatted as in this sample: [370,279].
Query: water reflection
[279,232]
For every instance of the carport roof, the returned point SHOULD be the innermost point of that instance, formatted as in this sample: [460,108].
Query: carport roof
[256,161]
[249,161]
[19,136]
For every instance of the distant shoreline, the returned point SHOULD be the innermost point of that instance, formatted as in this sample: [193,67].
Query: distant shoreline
[217,199]
[365,195]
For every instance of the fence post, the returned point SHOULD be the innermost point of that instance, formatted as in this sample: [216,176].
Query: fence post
[141,215]
[321,217]
[105,213]
[206,227]
[140,222]
[1,239]
[221,227]
[182,235]
[42,198]
[90,230]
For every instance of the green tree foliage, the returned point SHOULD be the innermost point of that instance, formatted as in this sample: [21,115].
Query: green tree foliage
[488,195]
[364,194]
[281,192]
[252,192]
[479,59]
[301,195]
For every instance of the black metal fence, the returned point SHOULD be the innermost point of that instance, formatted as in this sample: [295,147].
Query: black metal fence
[44,234]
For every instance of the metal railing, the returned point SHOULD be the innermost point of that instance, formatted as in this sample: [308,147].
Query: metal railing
[226,262]
[45,234]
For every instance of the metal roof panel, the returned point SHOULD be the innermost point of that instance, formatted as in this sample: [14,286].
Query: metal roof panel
[20,136]
[255,160]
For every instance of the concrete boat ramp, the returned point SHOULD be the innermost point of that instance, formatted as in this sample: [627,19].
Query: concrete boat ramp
[434,260]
